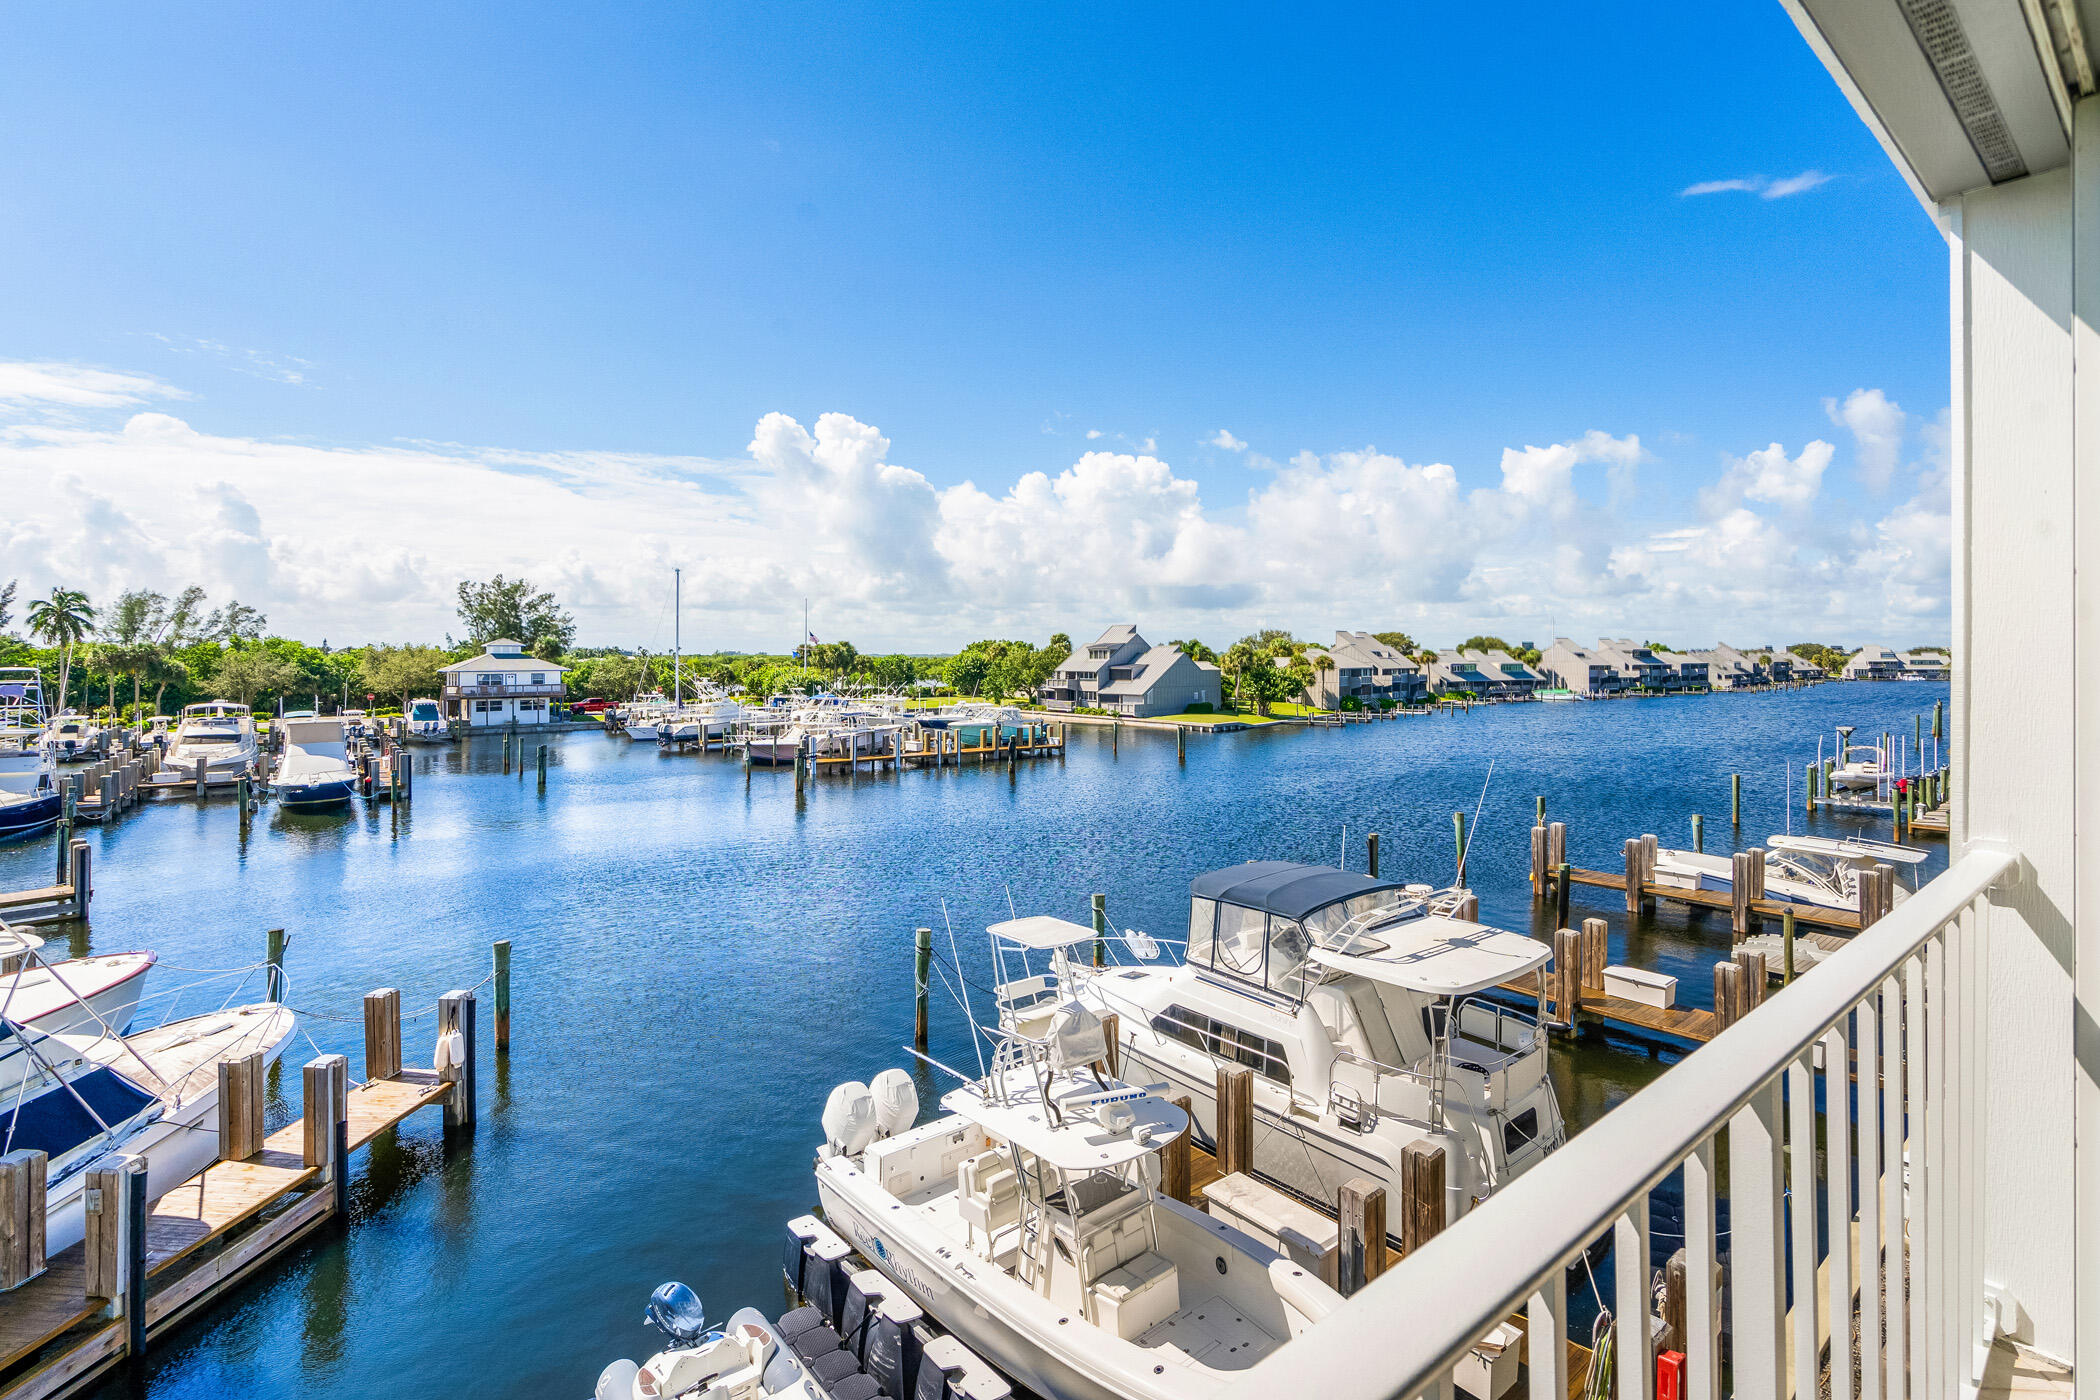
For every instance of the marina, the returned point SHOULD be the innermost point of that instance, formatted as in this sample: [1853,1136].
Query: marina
[851,855]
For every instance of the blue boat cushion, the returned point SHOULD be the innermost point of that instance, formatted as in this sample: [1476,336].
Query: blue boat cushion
[55,1121]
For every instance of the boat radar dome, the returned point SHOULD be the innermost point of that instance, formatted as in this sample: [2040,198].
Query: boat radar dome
[896,1101]
[849,1118]
[1076,1037]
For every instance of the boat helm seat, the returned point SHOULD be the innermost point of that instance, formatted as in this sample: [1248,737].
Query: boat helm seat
[988,1195]
[1133,1298]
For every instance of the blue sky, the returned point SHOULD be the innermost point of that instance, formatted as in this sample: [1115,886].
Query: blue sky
[545,236]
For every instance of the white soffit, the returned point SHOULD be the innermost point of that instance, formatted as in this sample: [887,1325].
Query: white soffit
[1957,90]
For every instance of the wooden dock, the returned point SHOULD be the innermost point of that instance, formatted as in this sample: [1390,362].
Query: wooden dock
[143,1271]
[65,900]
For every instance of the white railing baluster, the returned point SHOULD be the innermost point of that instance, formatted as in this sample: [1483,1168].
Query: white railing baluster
[1894,1304]
[1545,1338]
[1870,1330]
[1976,1074]
[1917,983]
[1916,1184]
[1757,1245]
[1801,1218]
[1636,1353]
[1837,1187]
[1939,1311]
[1702,1320]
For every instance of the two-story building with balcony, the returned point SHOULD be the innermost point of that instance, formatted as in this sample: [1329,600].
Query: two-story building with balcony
[1366,670]
[503,685]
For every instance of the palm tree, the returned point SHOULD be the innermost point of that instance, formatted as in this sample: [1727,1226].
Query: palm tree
[62,620]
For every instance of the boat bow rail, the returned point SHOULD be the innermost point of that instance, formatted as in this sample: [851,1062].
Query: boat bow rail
[1902,1006]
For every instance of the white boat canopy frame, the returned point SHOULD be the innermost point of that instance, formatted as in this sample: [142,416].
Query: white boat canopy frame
[1846,848]
[1044,933]
[1080,1144]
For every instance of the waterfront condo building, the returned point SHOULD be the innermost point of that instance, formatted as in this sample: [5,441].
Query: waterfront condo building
[503,685]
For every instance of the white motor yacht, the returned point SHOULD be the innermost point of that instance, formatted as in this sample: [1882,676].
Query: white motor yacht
[217,731]
[71,996]
[74,737]
[1026,1220]
[424,723]
[30,801]
[1859,766]
[1361,1005]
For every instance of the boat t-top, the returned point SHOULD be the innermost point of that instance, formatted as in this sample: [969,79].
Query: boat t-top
[424,723]
[1367,1010]
[221,733]
[30,801]
[1026,1219]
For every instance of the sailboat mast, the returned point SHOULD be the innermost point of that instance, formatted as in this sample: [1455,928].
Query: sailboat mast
[677,617]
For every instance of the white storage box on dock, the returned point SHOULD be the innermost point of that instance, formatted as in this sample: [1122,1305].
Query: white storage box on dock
[1638,984]
[1283,1224]
[1489,1370]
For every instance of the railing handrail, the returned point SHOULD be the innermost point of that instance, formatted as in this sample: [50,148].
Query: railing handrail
[1421,1318]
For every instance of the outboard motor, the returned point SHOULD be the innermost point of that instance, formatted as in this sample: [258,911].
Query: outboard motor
[896,1102]
[676,1311]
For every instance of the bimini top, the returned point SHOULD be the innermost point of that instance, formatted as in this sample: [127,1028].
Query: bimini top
[1042,931]
[1439,956]
[1080,1143]
[1284,887]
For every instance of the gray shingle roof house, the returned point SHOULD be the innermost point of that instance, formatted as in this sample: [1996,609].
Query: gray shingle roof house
[1508,677]
[1798,667]
[1727,668]
[1459,673]
[1121,671]
[1641,667]
[1874,663]
[1578,669]
[503,685]
[1364,669]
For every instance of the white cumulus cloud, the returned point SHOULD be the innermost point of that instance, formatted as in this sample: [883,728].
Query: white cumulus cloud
[1226,440]
[1877,426]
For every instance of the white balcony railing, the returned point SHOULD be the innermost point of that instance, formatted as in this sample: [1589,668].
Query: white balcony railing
[1903,1005]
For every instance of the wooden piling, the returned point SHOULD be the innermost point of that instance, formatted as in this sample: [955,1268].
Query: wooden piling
[1632,852]
[1786,938]
[1100,911]
[115,1249]
[1596,953]
[502,980]
[1938,706]
[1359,1210]
[1421,1195]
[1235,1119]
[1649,847]
[922,966]
[273,959]
[1755,975]
[1563,885]
[23,1175]
[1556,844]
[1458,834]
[1115,738]
[456,1016]
[1567,975]
[543,767]
[1698,832]
[80,873]
[1175,1158]
[1372,844]
[1739,894]
[199,769]
[1538,860]
[1673,1337]
[1728,978]
[506,755]
[240,1106]
[382,1034]
[1735,798]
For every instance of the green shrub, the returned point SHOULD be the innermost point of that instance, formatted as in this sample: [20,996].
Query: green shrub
[1350,702]
[1201,707]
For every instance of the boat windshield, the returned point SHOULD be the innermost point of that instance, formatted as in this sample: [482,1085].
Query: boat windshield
[423,710]
[207,737]
[1345,926]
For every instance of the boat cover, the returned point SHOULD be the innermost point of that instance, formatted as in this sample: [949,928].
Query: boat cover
[1442,957]
[1284,887]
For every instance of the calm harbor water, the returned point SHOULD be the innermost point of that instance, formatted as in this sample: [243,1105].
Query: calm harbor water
[698,960]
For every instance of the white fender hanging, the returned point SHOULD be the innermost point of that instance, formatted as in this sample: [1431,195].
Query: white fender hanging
[451,1050]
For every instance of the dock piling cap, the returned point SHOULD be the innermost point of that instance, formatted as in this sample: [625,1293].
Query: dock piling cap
[1042,931]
